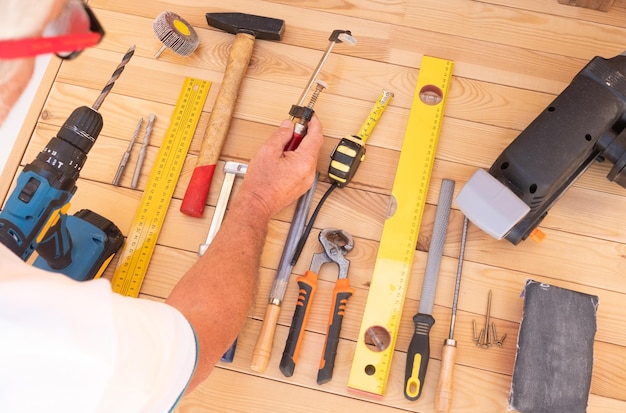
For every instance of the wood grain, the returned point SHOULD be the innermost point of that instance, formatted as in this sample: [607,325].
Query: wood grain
[512,57]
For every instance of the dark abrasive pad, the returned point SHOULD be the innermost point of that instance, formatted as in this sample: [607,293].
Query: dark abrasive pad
[552,372]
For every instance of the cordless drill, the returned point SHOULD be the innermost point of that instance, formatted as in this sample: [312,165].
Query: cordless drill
[34,217]
[585,123]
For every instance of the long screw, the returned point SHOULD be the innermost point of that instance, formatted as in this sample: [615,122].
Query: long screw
[486,334]
[116,74]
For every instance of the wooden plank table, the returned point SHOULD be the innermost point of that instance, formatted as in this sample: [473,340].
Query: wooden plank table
[512,57]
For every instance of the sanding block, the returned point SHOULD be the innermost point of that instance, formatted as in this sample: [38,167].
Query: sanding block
[552,372]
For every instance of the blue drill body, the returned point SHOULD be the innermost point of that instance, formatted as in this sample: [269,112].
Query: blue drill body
[34,217]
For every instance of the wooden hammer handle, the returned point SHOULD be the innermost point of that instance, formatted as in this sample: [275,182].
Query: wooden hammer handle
[219,123]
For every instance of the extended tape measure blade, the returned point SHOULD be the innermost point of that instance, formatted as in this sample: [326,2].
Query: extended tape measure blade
[376,342]
[146,226]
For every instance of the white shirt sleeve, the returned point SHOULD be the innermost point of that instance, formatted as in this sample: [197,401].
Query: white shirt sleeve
[71,346]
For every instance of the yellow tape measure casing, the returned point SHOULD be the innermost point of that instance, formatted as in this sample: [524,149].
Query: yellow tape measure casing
[376,342]
[142,237]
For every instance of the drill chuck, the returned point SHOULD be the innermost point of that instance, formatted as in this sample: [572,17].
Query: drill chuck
[82,128]
[63,157]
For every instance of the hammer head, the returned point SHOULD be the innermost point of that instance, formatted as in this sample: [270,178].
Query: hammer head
[265,28]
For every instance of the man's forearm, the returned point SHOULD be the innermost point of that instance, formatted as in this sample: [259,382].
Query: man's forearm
[215,294]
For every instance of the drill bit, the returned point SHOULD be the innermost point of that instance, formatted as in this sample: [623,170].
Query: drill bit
[142,151]
[124,160]
[116,74]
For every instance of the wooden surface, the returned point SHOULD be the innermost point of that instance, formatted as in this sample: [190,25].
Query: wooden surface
[604,5]
[512,57]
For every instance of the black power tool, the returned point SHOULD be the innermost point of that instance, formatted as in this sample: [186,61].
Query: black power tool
[585,123]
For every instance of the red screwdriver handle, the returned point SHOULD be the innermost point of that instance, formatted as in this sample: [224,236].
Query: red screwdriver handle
[296,138]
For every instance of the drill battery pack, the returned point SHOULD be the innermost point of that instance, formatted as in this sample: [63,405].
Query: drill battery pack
[94,242]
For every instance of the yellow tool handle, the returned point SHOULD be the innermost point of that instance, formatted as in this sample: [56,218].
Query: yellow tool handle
[443,393]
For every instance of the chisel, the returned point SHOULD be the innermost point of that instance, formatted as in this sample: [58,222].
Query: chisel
[419,348]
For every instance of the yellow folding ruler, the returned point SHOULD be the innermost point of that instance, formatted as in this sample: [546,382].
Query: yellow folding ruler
[142,237]
[379,328]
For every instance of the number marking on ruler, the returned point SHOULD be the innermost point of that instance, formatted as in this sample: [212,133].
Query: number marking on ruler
[376,342]
[150,214]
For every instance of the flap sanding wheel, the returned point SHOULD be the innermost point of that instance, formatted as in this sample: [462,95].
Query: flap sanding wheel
[175,33]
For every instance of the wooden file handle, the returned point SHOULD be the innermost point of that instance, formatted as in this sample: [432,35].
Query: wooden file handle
[443,393]
[219,123]
[263,347]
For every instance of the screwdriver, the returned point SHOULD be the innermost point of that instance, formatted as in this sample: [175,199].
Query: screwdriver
[443,393]
[419,347]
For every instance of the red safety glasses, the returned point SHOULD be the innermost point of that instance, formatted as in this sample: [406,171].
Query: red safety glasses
[67,36]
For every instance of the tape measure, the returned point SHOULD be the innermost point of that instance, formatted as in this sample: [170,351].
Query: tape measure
[142,237]
[374,116]
[378,333]
[350,151]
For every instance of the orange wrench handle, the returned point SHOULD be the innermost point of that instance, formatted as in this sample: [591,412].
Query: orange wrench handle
[307,285]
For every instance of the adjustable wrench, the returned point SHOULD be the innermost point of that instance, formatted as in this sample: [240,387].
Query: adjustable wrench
[231,171]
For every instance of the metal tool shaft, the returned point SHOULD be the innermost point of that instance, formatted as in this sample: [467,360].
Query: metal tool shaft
[142,151]
[435,251]
[263,347]
[457,284]
[116,74]
[336,37]
[277,293]
[124,160]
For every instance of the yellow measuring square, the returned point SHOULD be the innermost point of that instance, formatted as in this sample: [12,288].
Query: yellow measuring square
[142,237]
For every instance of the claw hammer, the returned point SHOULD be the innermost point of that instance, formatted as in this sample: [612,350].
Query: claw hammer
[247,28]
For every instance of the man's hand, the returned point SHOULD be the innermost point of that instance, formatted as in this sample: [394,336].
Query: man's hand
[276,178]
[216,293]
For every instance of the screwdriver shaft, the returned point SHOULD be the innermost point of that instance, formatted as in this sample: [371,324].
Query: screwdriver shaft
[457,284]
[443,392]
